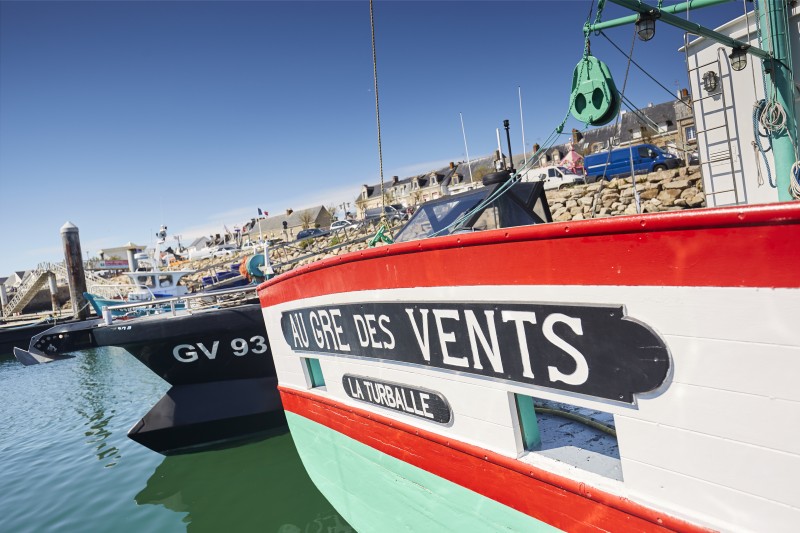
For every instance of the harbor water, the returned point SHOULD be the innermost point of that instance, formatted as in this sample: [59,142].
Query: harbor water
[66,463]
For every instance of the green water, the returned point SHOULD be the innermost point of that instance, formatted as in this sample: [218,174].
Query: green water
[66,463]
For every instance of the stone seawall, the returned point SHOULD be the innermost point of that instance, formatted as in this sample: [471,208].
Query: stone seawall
[666,190]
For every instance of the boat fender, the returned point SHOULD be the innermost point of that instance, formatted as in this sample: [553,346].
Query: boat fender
[496,177]
[243,268]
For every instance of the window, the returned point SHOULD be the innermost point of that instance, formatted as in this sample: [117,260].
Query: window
[528,425]
[690,132]
[314,372]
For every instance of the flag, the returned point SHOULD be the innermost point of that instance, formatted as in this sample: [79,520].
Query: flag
[259,212]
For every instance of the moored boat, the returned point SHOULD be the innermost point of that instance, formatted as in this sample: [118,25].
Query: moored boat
[217,360]
[621,374]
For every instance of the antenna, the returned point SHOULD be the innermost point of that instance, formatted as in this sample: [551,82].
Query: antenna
[469,162]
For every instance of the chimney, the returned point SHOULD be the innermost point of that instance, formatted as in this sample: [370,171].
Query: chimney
[452,165]
[395,179]
[536,148]
[289,212]
[576,136]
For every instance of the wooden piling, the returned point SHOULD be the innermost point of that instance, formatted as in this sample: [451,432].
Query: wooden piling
[73,259]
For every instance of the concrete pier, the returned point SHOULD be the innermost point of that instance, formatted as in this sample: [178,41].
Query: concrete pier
[51,282]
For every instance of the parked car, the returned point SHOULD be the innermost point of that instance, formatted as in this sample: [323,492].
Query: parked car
[392,214]
[404,211]
[225,250]
[646,158]
[202,253]
[554,177]
[343,224]
[310,233]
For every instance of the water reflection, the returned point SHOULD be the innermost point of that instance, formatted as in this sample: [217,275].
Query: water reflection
[260,486]
[109,379]
[94,378]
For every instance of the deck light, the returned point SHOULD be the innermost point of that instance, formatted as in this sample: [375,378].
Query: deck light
[738,58]
[646,26]
[710,81]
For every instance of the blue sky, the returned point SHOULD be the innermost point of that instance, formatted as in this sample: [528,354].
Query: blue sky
[122,116]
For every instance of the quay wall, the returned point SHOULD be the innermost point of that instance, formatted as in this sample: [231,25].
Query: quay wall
[665,190]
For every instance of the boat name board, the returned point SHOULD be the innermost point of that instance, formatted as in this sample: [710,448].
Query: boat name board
[422,403]
[189,353]
[588,349]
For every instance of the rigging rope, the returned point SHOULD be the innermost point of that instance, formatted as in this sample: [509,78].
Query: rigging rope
[642,68]
[617,128]
[377,109]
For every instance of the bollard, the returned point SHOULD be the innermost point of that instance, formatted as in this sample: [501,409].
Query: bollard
[107,317]
[73,260]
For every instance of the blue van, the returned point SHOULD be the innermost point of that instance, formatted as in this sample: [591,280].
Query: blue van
[646,158]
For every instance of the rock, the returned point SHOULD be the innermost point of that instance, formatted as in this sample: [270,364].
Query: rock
[698,200]
[648,194]
[689,192]
[679,202]
[676,184]
[579,216]
[631,209]
[668,195]
[571,203]
[587,200]
[575,210]
[563,217]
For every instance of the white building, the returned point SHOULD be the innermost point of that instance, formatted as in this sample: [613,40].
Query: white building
[733,170]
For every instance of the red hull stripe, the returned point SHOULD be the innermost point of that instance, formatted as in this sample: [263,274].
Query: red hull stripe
[556,500]
[727,247]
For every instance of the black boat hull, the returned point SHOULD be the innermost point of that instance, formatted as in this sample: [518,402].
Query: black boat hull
[218,361]
[214,345]
[200,416]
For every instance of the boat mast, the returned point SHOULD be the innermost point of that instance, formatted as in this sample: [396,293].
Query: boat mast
[774,52]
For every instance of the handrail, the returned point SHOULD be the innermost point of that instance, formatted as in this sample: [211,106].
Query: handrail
[162,303]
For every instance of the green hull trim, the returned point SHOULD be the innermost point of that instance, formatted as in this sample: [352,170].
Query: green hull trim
[376,492]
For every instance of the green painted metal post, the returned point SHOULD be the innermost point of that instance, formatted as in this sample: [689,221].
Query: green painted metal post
[675,8]
[774,35]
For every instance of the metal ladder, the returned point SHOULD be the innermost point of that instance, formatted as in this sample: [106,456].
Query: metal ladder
[27,290]
[724,147]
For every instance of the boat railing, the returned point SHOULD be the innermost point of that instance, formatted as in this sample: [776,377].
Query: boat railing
[186,303]
[112,290]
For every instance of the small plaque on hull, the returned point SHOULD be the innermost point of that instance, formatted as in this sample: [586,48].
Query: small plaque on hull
[413,401]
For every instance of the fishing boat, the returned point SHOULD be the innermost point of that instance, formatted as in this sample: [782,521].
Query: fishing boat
[147,283]
[634,373]
[210,347]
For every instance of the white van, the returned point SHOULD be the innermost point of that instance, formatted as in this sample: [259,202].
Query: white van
[554,177]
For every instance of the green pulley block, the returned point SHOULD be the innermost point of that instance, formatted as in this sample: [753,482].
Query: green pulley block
[595,100]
